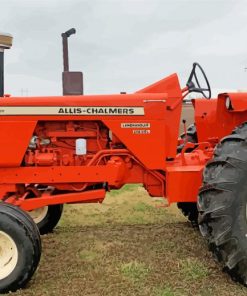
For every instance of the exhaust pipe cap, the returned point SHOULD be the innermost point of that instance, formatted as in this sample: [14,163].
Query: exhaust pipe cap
[6,40]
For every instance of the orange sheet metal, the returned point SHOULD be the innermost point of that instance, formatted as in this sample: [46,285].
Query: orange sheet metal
[183,183]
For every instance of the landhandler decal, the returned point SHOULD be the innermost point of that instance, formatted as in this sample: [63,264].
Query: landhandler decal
[74,110]
[135,125]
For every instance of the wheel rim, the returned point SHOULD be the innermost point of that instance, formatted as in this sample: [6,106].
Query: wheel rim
[39,214]
[8,255]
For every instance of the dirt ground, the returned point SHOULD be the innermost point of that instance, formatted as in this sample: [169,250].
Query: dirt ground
[129,245]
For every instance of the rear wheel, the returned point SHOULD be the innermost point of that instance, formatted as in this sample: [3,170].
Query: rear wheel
[222,204]
[189,209]
[20,248]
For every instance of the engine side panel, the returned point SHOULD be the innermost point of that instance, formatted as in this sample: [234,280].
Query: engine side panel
[144,146]
[14,139]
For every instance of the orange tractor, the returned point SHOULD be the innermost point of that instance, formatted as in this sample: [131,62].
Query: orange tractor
[74,148]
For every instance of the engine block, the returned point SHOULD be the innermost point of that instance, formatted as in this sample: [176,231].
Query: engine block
[55,143]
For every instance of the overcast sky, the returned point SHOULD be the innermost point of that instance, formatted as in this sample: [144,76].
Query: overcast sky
[123,45]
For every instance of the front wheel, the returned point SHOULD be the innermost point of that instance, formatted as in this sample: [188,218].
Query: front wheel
[47,217]
[20,248]
[189,209]
[222,204]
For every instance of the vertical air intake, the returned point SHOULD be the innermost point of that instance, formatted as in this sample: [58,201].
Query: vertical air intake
[72,81]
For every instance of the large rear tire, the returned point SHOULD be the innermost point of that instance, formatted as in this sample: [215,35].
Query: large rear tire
[222,204]
[189,209]
[20,248]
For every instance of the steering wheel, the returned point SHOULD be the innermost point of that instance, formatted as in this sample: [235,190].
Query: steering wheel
[195,86]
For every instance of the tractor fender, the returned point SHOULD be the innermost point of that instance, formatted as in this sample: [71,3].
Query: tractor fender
[238,101]
[216,118]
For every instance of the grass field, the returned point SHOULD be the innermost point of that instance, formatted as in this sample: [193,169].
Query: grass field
[129,245]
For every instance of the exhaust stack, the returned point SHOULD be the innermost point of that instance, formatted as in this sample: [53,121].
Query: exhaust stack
[72,81]
[5,43]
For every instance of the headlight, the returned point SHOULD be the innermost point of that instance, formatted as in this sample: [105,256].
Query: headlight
[228,103]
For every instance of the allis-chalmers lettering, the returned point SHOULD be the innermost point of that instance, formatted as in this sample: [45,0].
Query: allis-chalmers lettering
[72,110]
[98,110]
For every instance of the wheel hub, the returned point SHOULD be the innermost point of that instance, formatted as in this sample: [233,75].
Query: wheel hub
[38,214]
[8,255]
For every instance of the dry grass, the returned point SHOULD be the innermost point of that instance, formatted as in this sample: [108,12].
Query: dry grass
[127,246]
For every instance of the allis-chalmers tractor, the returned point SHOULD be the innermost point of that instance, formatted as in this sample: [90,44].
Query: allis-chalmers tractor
[74,148]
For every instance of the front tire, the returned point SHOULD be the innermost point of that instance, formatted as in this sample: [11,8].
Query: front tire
[222,204]
[20,248]
[47,218]
[189,209]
